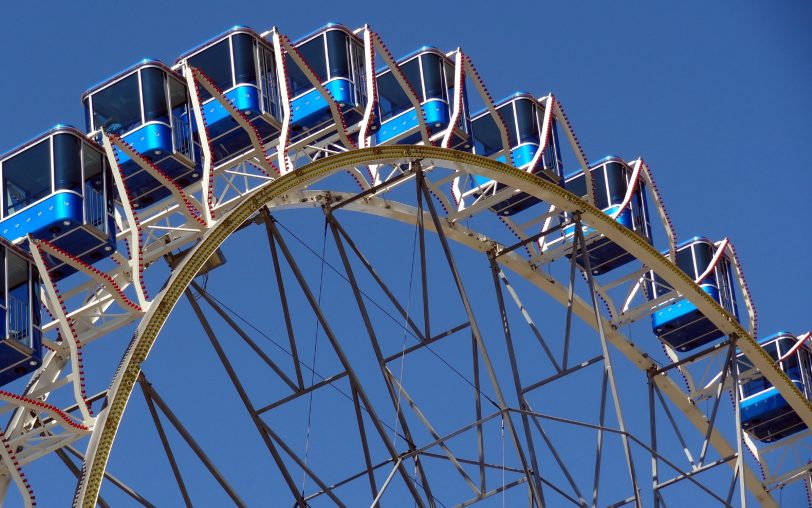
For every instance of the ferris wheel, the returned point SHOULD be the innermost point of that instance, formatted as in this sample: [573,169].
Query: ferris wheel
[373,285]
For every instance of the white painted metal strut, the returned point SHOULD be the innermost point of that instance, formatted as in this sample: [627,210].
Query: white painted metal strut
[108,421]
[204,81]
[67,332]
[205,144]
[211,222]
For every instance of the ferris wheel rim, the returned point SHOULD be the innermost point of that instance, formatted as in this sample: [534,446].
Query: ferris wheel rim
[150,325]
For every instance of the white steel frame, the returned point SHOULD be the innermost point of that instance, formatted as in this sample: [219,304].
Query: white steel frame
[205,214]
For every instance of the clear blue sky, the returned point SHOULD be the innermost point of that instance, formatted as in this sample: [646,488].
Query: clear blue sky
[714,95]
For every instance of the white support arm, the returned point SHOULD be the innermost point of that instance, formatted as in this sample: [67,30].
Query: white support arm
[283,158]
[803,338]
[720,251]
[66,330]
[187,208]
[392,64]
[253,134]
[338,118]
[561,117]
[648,178]
[205,143]
[136,249]
[456,112]
[371,91]
[546,131]
[745,289]
[97,275]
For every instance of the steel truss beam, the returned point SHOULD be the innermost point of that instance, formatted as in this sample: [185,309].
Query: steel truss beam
[537,493]
[156,315]
[610,375]
[152,395]
[353,377]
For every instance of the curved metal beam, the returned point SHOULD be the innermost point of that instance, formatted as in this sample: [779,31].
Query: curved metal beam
[126,376]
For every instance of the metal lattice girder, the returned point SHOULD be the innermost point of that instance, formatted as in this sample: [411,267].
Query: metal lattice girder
[109,419]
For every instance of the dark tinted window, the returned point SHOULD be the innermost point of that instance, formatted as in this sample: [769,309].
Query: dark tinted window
[110,186]
[411,70]
[784,345]
[463,122]
[509,119]
[660,287]
[117,108]
[791,364]
[338,55]
[298,81]
[313,54]
[392,100]
[744,364]
[433,77]
[728,274]
[703,254]
[67,162]
[685,262]
[792,368]
[640,210]
[93,169]
[178,98]
[577,185]
[27,177]
[35,310]
[19,299]
[616,176]
[245,69]
[772,350]
[487,140]
[359,72]
[270,92]
[3,251]
[449,79]
[153,85]
[599,178]
[88,118]
[181,126]
[17,276]
[552,159]
[526,121]
[312,51]
[215,62]
[760,384]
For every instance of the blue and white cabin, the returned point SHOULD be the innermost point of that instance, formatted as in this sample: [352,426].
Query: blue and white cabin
[21,335]
[611,178]
[680,324]
[765,414]
[242,65]
[431,75]
[336,56]
[57,187]
[523,117]
[148,106]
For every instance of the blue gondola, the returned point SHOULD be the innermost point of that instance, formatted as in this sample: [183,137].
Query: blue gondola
[523,116]
[680,324]
[21,336]
[336,56]
[611,179]
[57,187]
[431,75]
[242,65]
[765,414]
[148,106]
